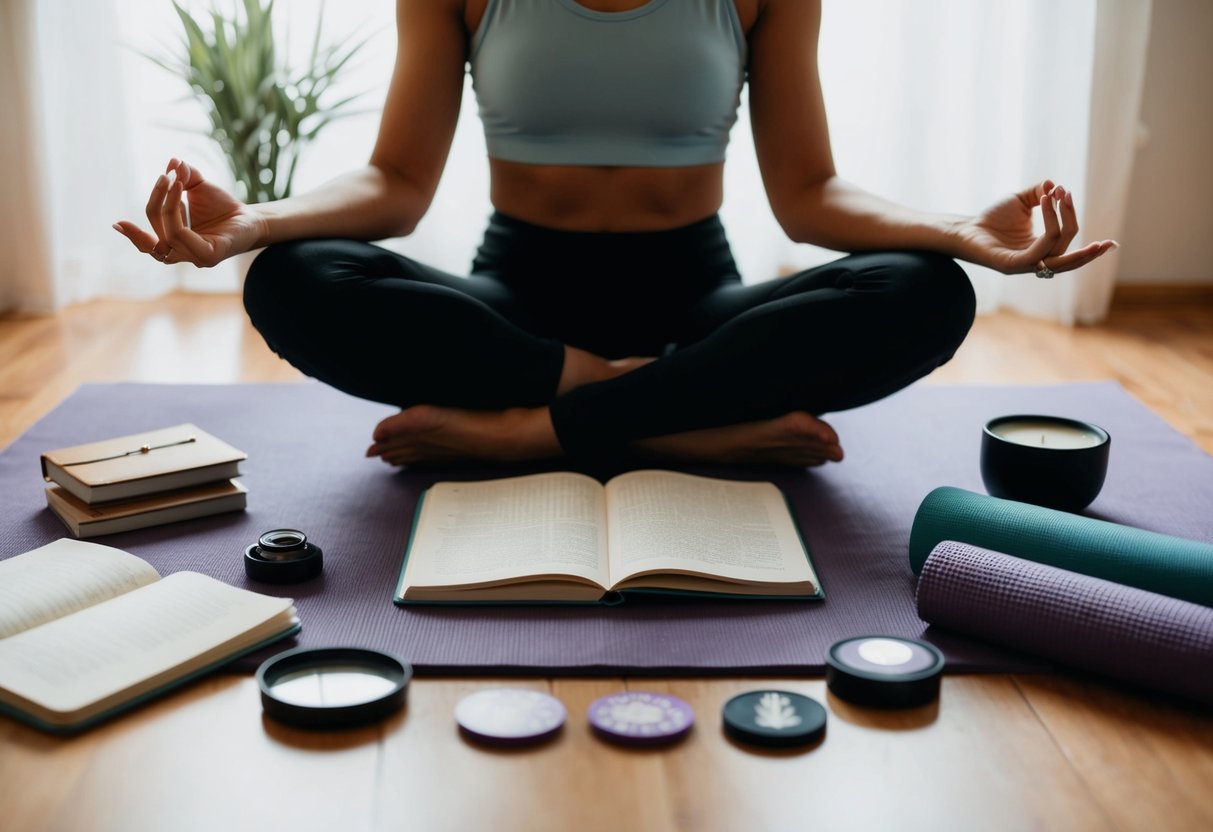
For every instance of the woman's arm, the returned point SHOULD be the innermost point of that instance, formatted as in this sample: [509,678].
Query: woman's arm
[386,198]
[389,197]
[813,205]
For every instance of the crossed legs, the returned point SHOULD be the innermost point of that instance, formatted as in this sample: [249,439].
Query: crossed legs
[755,368]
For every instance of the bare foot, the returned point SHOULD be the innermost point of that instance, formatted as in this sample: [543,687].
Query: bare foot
[796,439]
[581,367]
[426,433]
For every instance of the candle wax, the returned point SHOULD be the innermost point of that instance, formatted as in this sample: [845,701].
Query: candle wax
[1042,434]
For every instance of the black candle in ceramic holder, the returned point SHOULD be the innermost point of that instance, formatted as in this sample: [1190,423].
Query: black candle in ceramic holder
[1045,460]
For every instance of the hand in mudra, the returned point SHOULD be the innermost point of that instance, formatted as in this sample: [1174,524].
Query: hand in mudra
[193,220]
[1002,237]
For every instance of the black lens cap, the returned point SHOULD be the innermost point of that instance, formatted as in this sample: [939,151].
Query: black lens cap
[332,687]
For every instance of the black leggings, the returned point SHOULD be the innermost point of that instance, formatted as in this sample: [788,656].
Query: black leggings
[381,326]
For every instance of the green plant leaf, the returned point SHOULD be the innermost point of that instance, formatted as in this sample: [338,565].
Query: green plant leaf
[250,99]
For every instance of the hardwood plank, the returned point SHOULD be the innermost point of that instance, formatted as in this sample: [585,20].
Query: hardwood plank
[182,338]
[202,758]
[442,780]
[943,766]
[1131,748]
[1162,355]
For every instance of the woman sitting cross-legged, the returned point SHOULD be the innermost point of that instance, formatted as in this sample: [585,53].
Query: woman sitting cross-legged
[603,315]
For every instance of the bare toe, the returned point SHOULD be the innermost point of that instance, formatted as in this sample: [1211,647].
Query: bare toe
[401,430]
[426,433]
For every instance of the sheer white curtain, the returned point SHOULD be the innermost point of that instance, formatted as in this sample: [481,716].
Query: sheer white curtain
[22,246]
[941,104]
[948,105]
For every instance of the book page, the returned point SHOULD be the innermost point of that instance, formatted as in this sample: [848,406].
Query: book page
[476,532]
[62,577]
[663,520]
[106,649]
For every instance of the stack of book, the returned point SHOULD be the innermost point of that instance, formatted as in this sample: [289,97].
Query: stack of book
[145,479]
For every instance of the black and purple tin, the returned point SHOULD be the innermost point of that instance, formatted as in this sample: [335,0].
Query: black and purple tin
[884,671]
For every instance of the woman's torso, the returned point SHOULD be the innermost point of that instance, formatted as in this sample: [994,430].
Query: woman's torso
[606,198]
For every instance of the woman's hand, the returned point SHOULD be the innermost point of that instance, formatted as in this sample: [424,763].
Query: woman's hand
[193,221]
[1002,237]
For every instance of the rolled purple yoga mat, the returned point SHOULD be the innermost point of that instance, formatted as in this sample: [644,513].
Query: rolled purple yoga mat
[1141,637]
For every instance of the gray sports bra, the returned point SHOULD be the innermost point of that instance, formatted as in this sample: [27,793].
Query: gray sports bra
[655,86]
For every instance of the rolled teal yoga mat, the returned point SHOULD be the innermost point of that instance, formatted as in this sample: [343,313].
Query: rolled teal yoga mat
[1148,560]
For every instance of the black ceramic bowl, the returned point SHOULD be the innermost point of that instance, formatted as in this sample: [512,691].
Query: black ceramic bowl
[1065,478]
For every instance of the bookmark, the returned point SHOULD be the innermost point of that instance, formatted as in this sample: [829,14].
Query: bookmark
[142,449]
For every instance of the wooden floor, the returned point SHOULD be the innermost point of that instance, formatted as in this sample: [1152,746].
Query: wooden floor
[997,752]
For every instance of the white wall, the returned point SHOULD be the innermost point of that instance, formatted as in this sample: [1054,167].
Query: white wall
[1170,217]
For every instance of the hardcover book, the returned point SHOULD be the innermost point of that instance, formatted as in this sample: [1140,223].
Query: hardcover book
[142,463]
[564,537]
[88,631]
[84,520]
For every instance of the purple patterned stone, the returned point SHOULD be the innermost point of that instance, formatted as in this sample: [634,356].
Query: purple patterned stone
[641,718]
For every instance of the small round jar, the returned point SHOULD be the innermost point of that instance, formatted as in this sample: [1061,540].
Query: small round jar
[884,671]
[283,556]
[1044,460]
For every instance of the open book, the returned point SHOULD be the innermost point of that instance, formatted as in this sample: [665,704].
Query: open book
[87,631]
[563,537]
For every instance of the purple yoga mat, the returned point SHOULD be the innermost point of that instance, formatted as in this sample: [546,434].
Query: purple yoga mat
[306,470]
[1151,640]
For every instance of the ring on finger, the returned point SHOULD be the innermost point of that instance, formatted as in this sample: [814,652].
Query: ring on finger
[1043,271]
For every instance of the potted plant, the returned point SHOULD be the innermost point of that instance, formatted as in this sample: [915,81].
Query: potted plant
[262,112]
